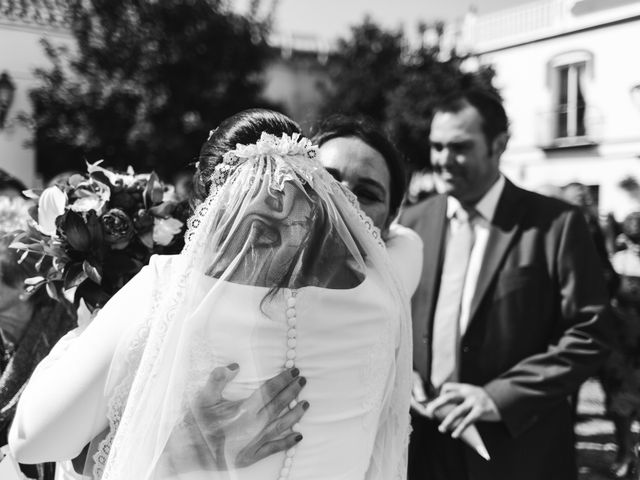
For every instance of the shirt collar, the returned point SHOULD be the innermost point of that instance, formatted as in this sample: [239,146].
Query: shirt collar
[487,205]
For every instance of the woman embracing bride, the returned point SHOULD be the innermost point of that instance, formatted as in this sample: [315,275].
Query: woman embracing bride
[281,272]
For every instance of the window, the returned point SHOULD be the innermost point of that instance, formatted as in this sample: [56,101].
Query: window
[570,75]
[571,106]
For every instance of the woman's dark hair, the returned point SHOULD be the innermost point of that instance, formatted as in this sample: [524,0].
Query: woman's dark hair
[242,128]
[363,128]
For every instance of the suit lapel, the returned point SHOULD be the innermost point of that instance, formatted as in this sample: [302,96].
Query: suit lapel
[433,237]
[502,231]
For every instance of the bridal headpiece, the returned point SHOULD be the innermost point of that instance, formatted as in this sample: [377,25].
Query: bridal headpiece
[290,157]
[268,145]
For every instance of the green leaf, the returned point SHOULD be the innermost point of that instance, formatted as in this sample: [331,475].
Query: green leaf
[22,246]
[153,192]
[101,177]
[93,295]
[92,272]
[20,236]
[33,194]
[52,291]
[23,257]
[34,281]
[74,275]
[146,239]
[39,262]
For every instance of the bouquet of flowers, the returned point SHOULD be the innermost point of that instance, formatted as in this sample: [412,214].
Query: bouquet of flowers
[95,231]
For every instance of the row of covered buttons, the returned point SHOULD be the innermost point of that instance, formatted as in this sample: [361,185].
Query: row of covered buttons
[290,362]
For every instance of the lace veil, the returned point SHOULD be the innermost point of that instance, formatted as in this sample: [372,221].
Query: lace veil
[274,219]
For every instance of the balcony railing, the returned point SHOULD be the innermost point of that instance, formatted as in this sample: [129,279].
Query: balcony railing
[300,43]
[42,13]
[563,128]
[528,19]
[535,20]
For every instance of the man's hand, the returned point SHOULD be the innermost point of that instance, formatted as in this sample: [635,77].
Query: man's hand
[467,404]
[418,395]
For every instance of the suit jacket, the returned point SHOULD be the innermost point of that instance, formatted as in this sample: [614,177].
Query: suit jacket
[538,328]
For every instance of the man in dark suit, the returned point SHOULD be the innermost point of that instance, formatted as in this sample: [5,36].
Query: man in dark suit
[509,317]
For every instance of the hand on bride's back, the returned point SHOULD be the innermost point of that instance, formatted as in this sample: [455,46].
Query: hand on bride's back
[236,433]
[239,433]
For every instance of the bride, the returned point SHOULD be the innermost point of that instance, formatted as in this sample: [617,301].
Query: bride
[281,270]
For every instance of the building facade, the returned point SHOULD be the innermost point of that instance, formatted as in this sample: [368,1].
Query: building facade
[23,24]
[297,76]
[570,77]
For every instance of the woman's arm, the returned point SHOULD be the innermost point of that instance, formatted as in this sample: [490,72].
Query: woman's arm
[63,406]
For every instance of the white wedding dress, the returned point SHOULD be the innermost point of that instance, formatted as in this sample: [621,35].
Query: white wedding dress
[345,342]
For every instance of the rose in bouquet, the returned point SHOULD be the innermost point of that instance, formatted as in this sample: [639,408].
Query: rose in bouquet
[94,232]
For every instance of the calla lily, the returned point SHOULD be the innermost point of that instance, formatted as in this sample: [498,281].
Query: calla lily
[51,205]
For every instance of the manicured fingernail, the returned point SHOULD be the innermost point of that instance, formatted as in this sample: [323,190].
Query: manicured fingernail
[295,372]
[302,381]
[298,438]
[305,405]
[233,366]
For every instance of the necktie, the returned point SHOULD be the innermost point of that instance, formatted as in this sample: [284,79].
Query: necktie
[447,313]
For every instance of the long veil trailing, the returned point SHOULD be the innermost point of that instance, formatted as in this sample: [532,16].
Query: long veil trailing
[274,222]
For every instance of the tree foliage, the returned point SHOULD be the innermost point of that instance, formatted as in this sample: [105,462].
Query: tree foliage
[363,70]
[375,73]
[145,82]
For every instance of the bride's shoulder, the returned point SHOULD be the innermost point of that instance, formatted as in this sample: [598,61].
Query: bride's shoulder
[401,237]
[405,249]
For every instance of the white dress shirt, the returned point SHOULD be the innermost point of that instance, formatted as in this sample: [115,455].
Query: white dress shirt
[485,210]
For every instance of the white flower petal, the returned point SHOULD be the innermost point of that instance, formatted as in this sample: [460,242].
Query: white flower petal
[51,205]
[164,229]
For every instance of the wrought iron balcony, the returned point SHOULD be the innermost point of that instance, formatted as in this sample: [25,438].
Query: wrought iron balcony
[569,127]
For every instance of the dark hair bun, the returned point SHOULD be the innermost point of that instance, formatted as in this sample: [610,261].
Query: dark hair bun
[242,128]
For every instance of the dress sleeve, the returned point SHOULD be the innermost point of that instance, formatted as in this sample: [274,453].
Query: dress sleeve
[63,406]
[405,249]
